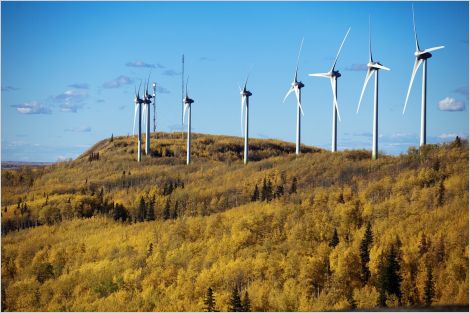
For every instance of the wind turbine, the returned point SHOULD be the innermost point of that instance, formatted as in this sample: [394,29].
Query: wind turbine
[187,106]
[296,86]
[245,94]
[146,116]
[421,57]
[333,75]
[373,67]
[138,108]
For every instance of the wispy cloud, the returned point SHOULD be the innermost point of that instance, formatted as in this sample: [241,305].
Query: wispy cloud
[205,59]
[447,136]
[175,127]
[70,100]
[9,88]
[143,64]
[161,89]
[82,129]
[463,90]
[357,67]
[80,86]
[171,72]
[451,104]
[118,82]
[33,107]
[100,100]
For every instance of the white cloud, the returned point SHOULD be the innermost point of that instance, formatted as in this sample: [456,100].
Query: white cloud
[446,136]
[80,85]
[33,107]
[357,67]
[451,104]
[82,129]
[70,100]
[141,64]
[118,82]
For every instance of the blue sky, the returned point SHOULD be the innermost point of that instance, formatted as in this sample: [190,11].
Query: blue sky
[69,70]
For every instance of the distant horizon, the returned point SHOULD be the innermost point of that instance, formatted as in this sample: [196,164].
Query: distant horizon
[235,136]
[69,70]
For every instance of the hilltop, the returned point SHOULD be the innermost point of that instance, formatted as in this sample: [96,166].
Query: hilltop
[104,232]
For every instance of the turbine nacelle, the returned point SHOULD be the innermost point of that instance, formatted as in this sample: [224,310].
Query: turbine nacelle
[298,85]
[421,55]
[245,93]
[335,74]
[187,100]
[138,100]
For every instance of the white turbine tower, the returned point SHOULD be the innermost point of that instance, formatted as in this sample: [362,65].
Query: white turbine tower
[187,106]
[297,86]
[245,94]
[333,75]
[373,67]
[421,57]
[138,108]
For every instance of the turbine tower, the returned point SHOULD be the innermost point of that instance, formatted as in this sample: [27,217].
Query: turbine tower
[333,75]
[187,106]
[138,108]
[373,68]
[421,57]
[147,101]
[245,94]
[297,86]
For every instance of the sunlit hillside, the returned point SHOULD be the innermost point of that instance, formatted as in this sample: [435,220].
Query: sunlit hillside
[319,231]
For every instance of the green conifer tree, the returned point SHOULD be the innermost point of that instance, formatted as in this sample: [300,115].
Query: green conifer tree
[429,291]
[246,303]
[334,239]
[364,251]
[293,186]
[209,301]
[255,195]
[141,211]
[235,302]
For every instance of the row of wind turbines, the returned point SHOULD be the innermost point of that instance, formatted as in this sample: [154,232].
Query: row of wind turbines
[373,67]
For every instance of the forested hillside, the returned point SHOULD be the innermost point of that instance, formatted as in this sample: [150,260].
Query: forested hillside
[319,231]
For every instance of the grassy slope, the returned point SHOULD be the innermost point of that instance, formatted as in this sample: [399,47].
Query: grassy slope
[274,250]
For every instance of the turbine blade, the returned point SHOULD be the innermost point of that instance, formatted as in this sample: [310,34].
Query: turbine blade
[327,75]
[381,67]
[241,117]
[298,59]
[414,28]
[297,95]
[368,76]
[432,49]
[148,80]
[187,80]
[415,69]
[288,93]
[334,96]
[370,43]
[339,51]
[239,87]
[135,114]
[138,93]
